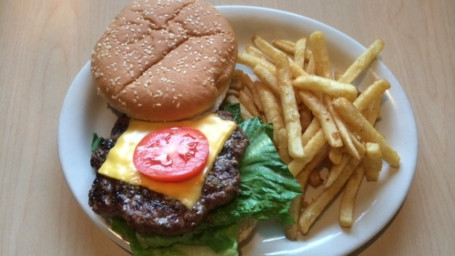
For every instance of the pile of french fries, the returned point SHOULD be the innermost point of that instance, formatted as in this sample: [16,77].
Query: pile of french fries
[320,119]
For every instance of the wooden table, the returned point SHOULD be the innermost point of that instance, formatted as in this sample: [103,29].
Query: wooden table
[44,43]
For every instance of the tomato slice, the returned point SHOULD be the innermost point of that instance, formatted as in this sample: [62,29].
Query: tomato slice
[172,154]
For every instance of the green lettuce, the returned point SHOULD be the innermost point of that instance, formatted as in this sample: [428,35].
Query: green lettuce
[220,241]
[96,141]
[267,190]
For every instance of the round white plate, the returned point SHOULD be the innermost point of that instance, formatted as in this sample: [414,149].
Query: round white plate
[84,113]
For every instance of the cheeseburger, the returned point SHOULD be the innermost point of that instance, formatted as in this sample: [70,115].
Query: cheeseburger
[173,173]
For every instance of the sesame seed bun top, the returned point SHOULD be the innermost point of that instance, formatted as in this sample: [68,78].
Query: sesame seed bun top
[165,60]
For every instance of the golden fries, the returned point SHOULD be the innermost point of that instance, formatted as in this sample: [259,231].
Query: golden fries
[315,208]
[299,52]
[310,131]
[251,61]
[314,145]
[275,53]
[267,77]
[372,161]
[253,92]
[321,54]
[357,121]
[361,63]
[325,118]
[284,45]
[335,155]
[346,217]
[292,230]
[337,169]
[323,125]
[255,52]
[289,105]
[326,86]
[344,133]
[273,115]
[371,93]
[248,103]
[304,175]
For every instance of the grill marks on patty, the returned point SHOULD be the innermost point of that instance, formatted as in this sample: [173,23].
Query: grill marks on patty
[150,212]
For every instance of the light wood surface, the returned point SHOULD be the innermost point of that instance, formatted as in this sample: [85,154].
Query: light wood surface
[44,43]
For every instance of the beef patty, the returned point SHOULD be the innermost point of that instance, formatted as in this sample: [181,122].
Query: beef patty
[150,212]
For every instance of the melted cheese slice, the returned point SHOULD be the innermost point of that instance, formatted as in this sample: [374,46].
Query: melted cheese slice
[119,162]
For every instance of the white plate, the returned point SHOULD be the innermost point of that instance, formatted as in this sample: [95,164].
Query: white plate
[84,113]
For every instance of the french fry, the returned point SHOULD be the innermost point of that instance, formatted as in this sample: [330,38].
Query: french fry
[296,166]
[372,161]
[337,74]
[299,52]
[248,103]
[296,70]
[310,131]
[327,104]
[284,45]
[321,54]
[272,112]
[255,52]
[271,106]
[273,53]
[323,115]
[372,112]
[310,68]
[251,61]
[371,93]
[289,106]
[359,145]
[362,62]
[316,207]
[357,121]
[282,145]
[305,173]
[335,155]
[267,77]
[291,231]
[315,144]
[326,86]
[254,93]
[336,170]
[346,217]
[344,131]
[246,90]
[235,83]
[233,92]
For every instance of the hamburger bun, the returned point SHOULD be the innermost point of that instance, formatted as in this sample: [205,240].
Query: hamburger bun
[165,60]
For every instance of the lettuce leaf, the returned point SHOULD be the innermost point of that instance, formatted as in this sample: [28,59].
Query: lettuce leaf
[267,190]
[268,187]
[96,141]
[221,241]
[235,110]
